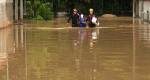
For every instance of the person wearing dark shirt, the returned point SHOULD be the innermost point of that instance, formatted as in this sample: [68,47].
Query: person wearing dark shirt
[91,19]
[75,18]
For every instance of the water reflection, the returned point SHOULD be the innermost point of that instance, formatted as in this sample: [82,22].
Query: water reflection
[6,48]
[83,35]
[144,32]
[142,51]
[19,35]
[68,54]
[12,55]
[118,53]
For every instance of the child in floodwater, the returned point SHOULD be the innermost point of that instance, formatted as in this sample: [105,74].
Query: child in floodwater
[82,22]
[75,18]
[92,19]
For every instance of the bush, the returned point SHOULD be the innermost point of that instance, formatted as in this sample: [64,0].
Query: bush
[39,10]
[45,11]
[38,17]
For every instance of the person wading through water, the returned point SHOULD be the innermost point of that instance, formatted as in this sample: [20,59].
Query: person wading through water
[92,21]
[82,20]
[75,18]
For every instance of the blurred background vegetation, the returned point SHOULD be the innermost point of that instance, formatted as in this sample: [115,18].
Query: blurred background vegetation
[47,9]
[39,9]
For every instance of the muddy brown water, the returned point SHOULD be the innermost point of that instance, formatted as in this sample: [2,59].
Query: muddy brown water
[117,50]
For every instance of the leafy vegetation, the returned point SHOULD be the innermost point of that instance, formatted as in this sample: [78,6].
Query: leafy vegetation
[39,9]
[47,9]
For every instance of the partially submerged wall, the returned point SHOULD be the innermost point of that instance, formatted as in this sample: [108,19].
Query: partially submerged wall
[6,13]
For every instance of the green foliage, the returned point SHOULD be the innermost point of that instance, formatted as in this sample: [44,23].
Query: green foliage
[45,11]
[39,10]
[38,17]
[29,10]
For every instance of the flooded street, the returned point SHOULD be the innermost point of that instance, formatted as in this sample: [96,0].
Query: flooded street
[117,50]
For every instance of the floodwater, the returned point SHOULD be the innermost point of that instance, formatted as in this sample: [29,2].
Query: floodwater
[117,50]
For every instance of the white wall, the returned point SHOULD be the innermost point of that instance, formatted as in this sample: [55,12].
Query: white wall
[140,8]
[6,12]
[146,6]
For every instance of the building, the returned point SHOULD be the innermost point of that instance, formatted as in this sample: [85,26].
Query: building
[6,12]
[144,9]
[10,12]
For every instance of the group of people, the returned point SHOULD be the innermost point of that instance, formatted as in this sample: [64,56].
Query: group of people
[79,20]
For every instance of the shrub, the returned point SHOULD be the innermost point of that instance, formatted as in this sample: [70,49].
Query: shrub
[39,10]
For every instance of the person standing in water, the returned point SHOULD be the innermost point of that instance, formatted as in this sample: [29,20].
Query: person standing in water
[82,20]
[75,18]
[91,19]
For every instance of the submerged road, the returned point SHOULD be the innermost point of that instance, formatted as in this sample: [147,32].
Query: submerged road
[117,50]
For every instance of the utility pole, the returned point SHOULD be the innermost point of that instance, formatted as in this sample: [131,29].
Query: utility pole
[24,8]
[133,8]
[21,11]
[137,8]
[142,10]
[16,11]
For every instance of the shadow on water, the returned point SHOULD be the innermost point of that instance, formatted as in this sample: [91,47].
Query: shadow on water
[119,53]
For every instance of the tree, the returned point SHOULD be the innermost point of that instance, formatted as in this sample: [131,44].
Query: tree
[39,9]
